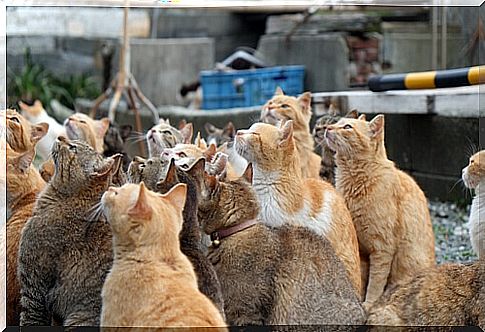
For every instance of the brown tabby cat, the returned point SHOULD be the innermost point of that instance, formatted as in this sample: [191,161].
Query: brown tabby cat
[24,185]
[449,294]
[79,126]
[283,108]
[163,135]
[65,253]
[287,198]
[151,283]
[284,275]
[327,167]
[389,210]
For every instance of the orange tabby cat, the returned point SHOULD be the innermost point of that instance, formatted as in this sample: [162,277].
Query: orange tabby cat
[283,108]
[151,283]
[81,127]
[286,197]
[389,210]
[21,134]
[24,184]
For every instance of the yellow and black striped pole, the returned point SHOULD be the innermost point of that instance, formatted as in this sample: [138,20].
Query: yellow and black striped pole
[428,79]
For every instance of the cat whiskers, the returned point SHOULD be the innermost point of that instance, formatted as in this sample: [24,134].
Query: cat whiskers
[96,213]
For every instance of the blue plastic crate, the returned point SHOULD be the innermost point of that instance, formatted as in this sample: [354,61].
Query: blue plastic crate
[252,87]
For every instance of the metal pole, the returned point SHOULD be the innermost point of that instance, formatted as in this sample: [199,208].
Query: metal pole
[434,37]
[444,37]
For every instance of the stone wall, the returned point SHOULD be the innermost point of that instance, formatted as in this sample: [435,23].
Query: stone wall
[324,56]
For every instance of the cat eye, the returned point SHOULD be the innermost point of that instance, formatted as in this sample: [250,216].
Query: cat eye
[347,126]
[182,154]
[167,132]
[73,148]
[14,119]
[150,162]
[285,106]
[82,121]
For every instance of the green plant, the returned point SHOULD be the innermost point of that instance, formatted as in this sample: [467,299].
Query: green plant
[78,86]
[33,82]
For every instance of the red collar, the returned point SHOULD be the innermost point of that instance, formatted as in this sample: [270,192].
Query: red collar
[217,236]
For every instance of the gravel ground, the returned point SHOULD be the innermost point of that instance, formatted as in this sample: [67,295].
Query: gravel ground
[452,242]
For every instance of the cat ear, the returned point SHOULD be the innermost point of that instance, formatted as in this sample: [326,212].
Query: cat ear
[106,169]
[197,168]
[286,133]
[200,142]
[177,196]
[38,131]
[101,127]
[248,173]
[279,91]
[23,106]
[141,209]
[171,176]
[353,114]
[24,161]
[230,130]
[362,117]
[187,132]
[305,101]
[377,125]
[162,121]
[210,152]
[210,128]
[38,104]
[118,162]
[210,182]
[125,131]
[182,123]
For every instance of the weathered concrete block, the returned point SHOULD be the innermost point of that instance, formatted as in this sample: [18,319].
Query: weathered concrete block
[76,21]
[407,47]
[325,57]
[161,66]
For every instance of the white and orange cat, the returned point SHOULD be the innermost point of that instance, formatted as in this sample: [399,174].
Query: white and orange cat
[474,178]
[389,210]
[151,283]
[285,197]
[283,108]
[37,114]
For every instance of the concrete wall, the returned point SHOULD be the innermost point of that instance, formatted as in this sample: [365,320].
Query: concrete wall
[161,66]
[229,30]
[407,47]
[325,57]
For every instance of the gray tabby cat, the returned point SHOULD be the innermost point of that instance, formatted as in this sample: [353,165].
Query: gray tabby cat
[163,135]
[64,253]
